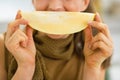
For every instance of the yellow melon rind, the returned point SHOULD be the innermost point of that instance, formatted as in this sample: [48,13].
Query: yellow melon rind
[58,22]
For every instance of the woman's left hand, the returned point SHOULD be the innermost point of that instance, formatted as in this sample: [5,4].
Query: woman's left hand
[99,47]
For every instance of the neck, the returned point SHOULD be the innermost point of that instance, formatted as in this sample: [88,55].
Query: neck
[55,48]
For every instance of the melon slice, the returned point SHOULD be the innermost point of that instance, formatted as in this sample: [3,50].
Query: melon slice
[58,22]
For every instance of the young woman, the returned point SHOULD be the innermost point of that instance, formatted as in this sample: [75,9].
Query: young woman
[31,56]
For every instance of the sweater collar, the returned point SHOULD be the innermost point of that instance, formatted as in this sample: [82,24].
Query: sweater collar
[54,48]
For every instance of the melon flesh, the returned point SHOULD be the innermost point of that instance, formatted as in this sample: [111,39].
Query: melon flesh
[58,22]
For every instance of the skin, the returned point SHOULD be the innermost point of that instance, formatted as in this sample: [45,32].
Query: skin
[96,49]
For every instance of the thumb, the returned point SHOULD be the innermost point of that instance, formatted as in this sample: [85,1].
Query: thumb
[29,33]
[30,41]
[88,35]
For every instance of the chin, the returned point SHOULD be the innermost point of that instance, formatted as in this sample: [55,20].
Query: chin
[53,36]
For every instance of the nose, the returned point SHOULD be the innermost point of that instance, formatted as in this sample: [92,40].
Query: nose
[55,5]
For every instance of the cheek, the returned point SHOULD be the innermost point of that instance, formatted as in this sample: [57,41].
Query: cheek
[74,6]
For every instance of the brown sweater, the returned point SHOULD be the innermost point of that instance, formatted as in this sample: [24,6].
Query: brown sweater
[65,70]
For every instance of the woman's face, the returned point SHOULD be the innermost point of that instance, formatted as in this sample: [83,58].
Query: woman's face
[60,5]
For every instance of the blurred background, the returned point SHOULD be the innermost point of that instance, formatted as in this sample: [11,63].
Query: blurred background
[109,9]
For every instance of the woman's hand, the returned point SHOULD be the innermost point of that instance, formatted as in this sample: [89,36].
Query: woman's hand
[21,46]
[99,47]
[20,43]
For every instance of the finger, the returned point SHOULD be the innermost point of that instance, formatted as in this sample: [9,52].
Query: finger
[18,16]
[102,37]
[12,27]
[88,35]
[15,41]
[29,33]
[18,22]
[101,27]
[97,17]
[98,25]
[102,47]
[19,37]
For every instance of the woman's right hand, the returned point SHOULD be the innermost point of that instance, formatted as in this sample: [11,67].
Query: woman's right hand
[20,43]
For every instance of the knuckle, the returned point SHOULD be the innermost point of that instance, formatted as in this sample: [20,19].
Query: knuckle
[11,46]
[100,34]
[10,25]
[105,27]
[100,24]
[18,20]
[18,32]
[99,44]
